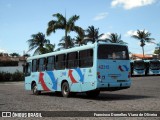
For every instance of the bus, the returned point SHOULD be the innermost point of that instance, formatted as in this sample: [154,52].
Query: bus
[138,67]
[90,68]
[153,67]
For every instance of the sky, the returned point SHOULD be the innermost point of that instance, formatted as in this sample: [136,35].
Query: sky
[19,19]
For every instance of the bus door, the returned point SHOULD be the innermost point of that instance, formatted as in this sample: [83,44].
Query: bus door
[27,72]
[113,63]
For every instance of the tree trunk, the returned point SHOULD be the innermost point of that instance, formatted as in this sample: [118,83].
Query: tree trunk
[143,51]
[66,42]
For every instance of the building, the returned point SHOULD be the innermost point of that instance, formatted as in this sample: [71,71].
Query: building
[11,64]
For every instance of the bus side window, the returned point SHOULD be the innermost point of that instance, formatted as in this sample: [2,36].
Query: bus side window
[50,63]
[28,69]
[72,60]
[41,64]
[34,65]
[60,61]
[86,58]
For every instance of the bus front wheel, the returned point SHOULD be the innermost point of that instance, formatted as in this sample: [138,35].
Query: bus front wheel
[65,90]
[35,90]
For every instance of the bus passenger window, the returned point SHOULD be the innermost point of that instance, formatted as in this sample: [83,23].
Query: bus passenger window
[34,65]
[72,60]
[41,66]
[86,58]
[50,63]
[60,62]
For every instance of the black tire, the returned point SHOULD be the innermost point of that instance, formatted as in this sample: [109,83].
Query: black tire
[35,90]
[65,90]
[93,94]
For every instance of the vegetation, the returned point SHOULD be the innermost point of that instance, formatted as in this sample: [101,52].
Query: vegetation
[6,77]
[157,51]
[26,55]
[62,23]
[70,42]
[38,42]
[115,38]
[14,54]
[92,34]
[144,37]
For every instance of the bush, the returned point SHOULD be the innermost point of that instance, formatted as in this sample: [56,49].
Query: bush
[6,77]
[17,76]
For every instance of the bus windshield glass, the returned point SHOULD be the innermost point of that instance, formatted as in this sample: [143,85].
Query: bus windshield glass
[155,65]
[113,52]
[139,65]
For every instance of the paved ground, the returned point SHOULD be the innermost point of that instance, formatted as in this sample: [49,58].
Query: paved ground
[144,95]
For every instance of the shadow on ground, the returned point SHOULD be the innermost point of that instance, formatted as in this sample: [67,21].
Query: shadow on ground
[101,97]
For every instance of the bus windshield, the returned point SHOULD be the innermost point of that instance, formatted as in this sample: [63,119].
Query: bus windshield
[139,65]
[155,65]
[110,52]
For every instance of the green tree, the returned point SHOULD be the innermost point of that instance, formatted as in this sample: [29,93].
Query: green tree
[38,42]
[26,55]
[157,49]
[49,48]
[115,38]
[14,54]
[79,40]
[92,34]
[144,37]
[62,23]
[62,42]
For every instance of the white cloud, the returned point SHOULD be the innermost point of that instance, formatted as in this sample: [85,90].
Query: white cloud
[106,35]
[100,16]
[2,51]
[129,4]
[132,32]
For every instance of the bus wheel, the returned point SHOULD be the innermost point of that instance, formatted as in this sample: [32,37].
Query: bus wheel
[65,90]
[93,93]
[35,90]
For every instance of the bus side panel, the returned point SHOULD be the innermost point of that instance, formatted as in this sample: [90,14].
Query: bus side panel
[89,82]
[79,80]
[34,77]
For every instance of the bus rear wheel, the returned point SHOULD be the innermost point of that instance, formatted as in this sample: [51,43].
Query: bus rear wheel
[65,90]
[93,93]
[35,90]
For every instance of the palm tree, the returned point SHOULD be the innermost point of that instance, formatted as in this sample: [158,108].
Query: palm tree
[93,34]
[79,40]
[49,48]
[38,42]
[70,42]
[144,37]
[62,23]
[115,38]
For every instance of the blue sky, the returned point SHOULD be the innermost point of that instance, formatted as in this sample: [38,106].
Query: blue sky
[19,19]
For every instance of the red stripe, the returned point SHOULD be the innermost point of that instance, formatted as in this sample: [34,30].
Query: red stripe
[71,77]
[41,80]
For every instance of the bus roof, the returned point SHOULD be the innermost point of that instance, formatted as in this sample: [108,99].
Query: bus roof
[89,46]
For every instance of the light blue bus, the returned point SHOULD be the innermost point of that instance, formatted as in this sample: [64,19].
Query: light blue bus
[89,68]
[153,67]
